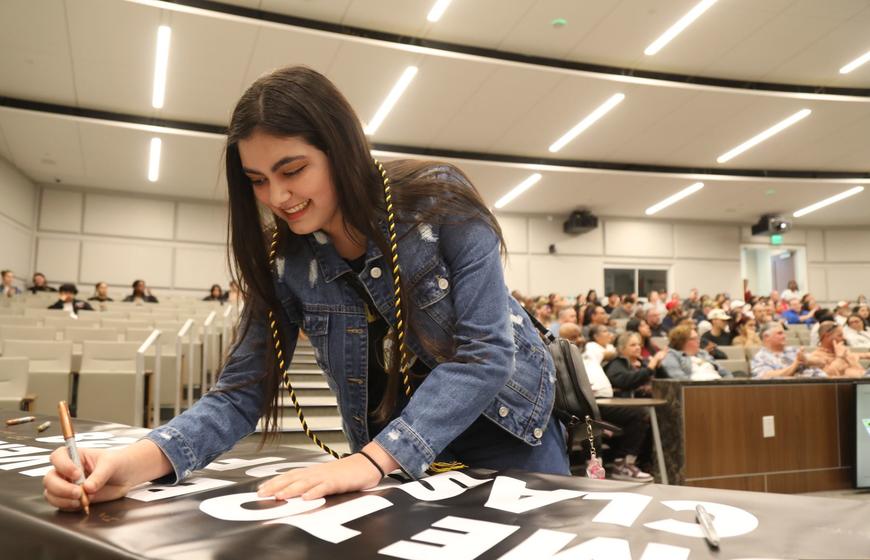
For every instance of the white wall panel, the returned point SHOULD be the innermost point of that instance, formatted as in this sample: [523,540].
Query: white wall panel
[710,277]
[515,232]
[122,262]
[15,249]
[640,239]
[566,275]
[543,232]
[815,245]
[58,259]
[817,282]
[706,241]
[202,222]
[842,245]
[200,267]
[17,193]
[847,281]
[61,211]
[516,273]
[129,216]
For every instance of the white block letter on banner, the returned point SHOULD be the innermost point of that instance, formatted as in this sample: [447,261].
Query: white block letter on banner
[465,539]
[729,521]
[229,508]
[328,524]
[510,494]
[155,492]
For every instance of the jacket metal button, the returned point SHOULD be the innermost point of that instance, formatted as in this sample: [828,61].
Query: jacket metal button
[538,433]
[375,273]
[443,283]
[503,411]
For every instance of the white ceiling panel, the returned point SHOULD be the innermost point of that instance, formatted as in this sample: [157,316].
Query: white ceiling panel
[323,10]
[277,48]
[487,21]
[535,34]
[113,45]
[482,120]
[208,63]
[35,61]
[117,158]
[42,146]
[5,153]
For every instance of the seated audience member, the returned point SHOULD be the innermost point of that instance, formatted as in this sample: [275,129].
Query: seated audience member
[234,296]
[654,301]
[567,315]
[595,315]
[628,371]
[214,294]
[141,294]
[625,310]
[68,302]
[693,302]
[612,303]
[794,315]
[855,333]
[842,312]
[654,320]
[572,333]
[8,287]
[832,355]
[39,284]
[543,313]
[674,317]
[809,304]
[791,292]
[863,310]
[599,346]
[101,293]
[700,314]
[775,359]
[592,298]
[686,360]
[747,334]
[777,303]
[717,335]
[821,316]
[633,421]
[641,327]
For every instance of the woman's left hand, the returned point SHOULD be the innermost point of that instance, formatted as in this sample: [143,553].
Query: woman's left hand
[348,474]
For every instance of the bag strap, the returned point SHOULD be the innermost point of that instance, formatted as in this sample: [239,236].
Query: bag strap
[542,330]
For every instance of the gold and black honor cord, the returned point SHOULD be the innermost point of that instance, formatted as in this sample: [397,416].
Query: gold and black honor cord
[437,467]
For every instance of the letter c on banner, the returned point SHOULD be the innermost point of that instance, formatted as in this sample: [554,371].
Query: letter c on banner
[229,508]
[729,521]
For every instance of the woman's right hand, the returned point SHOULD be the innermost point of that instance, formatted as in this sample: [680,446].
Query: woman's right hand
[105,479]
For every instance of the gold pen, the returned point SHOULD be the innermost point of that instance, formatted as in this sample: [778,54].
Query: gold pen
[22,420]
[69,438]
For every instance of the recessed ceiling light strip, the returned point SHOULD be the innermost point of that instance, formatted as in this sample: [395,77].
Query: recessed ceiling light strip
[860,61]
[828,201]
[678,27]
[391,99]
[154,160]
[530,181]
[761,137]
[590,119]
[437,10]
[691,189]
[161,66]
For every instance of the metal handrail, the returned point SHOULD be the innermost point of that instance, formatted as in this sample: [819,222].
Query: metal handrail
[206,331]
[152,340]
[179,354]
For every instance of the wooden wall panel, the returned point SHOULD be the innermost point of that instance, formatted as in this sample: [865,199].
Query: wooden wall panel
[810,481]
[746,483]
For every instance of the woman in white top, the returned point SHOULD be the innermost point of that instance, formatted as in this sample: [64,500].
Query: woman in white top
[792,292]
[855,333]
[598,351]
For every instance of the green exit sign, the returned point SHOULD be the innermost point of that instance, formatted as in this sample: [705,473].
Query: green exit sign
[776,239]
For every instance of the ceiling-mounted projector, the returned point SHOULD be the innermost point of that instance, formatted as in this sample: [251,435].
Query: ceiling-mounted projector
[770,224]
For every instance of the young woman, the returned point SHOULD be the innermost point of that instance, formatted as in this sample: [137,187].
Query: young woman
[479,385]
[216,293]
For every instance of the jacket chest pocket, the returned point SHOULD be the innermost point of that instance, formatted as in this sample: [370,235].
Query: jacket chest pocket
[316,327]
[430,294]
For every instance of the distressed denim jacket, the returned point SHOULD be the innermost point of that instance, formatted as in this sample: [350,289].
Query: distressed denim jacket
[500,368]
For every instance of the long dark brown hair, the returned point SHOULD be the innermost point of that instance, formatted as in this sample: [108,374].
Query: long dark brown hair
[300,102]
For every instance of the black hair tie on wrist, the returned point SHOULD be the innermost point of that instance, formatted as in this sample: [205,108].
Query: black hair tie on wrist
[377,466]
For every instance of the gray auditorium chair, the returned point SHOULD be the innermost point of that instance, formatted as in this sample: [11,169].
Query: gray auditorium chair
[13,382]
[108,389]
[48,371]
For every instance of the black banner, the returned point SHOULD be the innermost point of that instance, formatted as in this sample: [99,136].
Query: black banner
[454,516]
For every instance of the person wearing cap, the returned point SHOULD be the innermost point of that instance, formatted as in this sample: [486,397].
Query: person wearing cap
[717,335]
[68,302]
[832,355]
[775,359]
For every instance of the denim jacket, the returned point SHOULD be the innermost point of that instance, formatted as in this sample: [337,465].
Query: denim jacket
[500,368]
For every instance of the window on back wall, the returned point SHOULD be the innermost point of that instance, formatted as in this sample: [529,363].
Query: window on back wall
[626,280]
